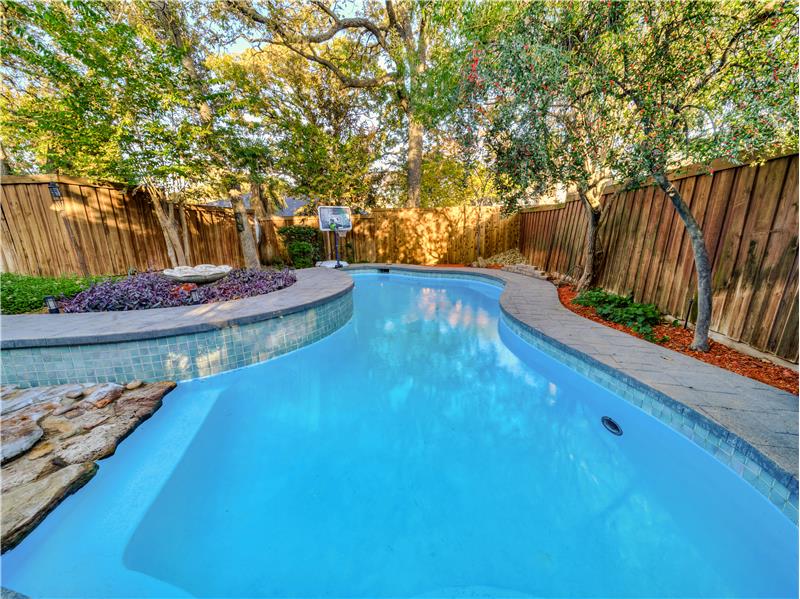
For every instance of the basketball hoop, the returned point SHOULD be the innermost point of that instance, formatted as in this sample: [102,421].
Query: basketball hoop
[336,220]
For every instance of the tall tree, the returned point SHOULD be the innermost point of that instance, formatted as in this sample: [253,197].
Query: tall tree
[84,93]
[171,24]
[698,80]
[316,138]
[551,121]
[391,52]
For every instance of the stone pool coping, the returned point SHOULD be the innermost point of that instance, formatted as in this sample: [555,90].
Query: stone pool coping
[314,286]
[749,426]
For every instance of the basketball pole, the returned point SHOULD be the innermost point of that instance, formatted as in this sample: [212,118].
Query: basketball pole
[335,244]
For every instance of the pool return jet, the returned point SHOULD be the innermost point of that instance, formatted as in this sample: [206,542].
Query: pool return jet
[336,220]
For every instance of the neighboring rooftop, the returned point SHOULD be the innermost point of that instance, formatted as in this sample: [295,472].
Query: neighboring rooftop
[290,209]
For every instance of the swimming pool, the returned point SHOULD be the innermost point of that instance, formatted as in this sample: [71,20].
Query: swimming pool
[421,450]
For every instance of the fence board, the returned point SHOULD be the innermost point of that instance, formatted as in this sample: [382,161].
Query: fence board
[639,245]
[774,237]
[750,219]
[724,274]
[21,258]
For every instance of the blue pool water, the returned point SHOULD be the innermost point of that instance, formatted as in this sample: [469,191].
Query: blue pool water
[422,450]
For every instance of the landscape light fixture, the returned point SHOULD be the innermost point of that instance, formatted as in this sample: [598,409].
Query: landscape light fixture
[195,296]
[55,192]
[52,304]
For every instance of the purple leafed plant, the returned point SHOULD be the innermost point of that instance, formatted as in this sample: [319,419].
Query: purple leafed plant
[153,290]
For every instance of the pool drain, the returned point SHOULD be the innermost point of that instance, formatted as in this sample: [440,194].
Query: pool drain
[611,426]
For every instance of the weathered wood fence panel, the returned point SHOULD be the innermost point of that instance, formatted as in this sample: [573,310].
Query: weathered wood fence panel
[102,229]
[750,219]
[89,229]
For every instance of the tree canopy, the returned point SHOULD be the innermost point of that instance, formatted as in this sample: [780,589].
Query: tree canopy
[391,103]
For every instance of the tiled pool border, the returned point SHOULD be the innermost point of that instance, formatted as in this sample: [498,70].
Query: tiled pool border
[178,357]
[774,483]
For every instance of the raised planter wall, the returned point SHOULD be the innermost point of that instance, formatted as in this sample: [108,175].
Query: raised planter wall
[174,343]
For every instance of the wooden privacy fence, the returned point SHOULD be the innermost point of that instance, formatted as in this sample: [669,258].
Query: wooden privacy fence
[102,229]
[98,229]
[750,219]
[423,235]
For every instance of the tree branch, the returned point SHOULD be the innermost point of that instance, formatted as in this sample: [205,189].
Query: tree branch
[345,79]
[290,41]
[723,59]
[393,22]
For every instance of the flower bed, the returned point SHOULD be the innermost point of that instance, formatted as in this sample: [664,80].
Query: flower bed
[678,339]
[153,290]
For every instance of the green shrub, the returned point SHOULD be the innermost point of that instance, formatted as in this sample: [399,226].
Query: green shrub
[22,293]
[299,233]
[301,253]
[623,310]
[302,243]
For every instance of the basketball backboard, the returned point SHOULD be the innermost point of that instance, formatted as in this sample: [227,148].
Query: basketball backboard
[340,215]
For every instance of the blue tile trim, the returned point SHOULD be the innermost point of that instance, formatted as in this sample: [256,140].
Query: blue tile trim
[179,357]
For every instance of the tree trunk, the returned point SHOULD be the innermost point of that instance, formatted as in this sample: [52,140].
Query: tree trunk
[701,262]
[168,228]
[187,248]
[244,231]
[416,134]
[5,168]
[270,252]
[593,212]
[257,198]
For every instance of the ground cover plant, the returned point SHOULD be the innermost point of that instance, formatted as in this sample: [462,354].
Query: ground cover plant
[153,290]
[673,336]
[641,318]
[23,293]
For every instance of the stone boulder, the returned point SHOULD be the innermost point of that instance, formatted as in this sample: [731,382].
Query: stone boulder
[27,505]
[202,273]
[19,434]
[51,437]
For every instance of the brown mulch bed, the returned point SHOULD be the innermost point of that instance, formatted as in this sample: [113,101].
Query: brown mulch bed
[680,339]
